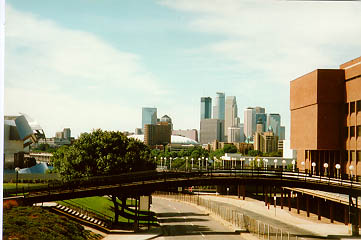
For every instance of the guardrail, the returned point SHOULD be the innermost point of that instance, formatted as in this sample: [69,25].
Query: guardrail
[233,216]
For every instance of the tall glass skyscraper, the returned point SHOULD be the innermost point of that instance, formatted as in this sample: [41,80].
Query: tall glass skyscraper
[219,108]
[206,108]
[149,116]
[274,121]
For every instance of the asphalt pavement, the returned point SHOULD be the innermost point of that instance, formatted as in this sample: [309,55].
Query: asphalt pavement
[185,221]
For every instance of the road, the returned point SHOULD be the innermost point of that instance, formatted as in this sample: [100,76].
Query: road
[183,221]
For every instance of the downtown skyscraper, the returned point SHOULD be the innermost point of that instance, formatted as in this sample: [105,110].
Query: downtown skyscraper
[206,108]
[219,108]
[231,119]
[149,116]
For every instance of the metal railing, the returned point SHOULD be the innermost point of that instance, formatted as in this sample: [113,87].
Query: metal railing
[233,216]
[154,177]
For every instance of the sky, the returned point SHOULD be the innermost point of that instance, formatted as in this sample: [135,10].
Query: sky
[88,64]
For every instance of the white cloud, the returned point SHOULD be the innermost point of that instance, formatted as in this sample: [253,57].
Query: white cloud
[65,77]
[281,39]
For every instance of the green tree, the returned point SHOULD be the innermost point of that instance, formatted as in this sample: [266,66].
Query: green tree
[229,148]
[102,153]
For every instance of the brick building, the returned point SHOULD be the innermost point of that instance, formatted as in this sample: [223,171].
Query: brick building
[325,109]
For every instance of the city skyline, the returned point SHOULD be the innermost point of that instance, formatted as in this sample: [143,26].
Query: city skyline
[97,67]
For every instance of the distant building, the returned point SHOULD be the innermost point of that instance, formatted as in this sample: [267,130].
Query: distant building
[231,114]
[211,130]
[149,116]
[261,118]
[260,110]
[67,133]
[138,131]
[219,108]
[59,135]
[283,133]
[274,121]
[234,134]
[167,119]
[189,133]
[265,142]
[206,108]
[242,137]
[157,134]
[249,115]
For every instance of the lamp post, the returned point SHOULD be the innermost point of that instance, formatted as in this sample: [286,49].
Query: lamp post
[155,160]
[266,162]
[275,161]
[202,162]
[17,178]
[313,164]
[165,162]
[293,165]
[192,162]
[283,164]
[351,169]
[161,162]
[186,163]
[303,166]
[258,160]
[325,165]
[199,163]
[170,163]
[206,164]
[338,166]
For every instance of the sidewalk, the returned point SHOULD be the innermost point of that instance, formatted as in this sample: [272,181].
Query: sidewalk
[290,221]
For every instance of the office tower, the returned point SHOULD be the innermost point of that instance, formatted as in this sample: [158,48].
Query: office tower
[283,133]
[274,121]
[149,116]
[262,118]
[260,110]
[219,108]
[206,108]
[249,115]
[231,114]
[265,142]
[157,134]
[234,134]
[325,112]
[167,119]
[59,135]
[241,129]
[189,133]
[67,133]
[211,130]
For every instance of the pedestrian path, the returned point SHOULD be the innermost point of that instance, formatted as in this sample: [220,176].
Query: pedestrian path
[297,224]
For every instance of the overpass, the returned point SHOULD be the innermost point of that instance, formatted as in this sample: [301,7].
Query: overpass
[144,183]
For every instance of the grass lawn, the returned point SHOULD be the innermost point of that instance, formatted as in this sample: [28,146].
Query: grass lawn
[103,205]
[10,188]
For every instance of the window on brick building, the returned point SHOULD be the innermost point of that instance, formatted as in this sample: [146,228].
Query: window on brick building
[352,107]
[358,131]
[358,155]
[358,106]
[352,131]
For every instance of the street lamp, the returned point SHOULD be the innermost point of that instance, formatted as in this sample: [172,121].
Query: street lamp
[206,164]
[170,163]
[284,164]
[275,161]
[161,162]
[199,163]
[338,166]
[351,168]
[293,165]
[202,162]
[325,165]
[266,162]
[17,177]
[313,164]
[186,163]
[303,166]
[192,163]
[258,160]
[165,162]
